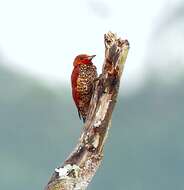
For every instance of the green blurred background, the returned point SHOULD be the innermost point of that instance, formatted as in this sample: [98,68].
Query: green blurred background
[145,149]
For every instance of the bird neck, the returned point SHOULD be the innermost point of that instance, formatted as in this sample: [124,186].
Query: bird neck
[81,64]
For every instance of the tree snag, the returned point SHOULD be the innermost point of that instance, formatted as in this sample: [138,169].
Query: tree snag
[79,168]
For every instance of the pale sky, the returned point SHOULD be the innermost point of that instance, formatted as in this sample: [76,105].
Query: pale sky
[42,37]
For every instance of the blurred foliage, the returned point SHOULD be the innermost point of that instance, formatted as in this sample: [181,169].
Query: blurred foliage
[40,126]
[145,149]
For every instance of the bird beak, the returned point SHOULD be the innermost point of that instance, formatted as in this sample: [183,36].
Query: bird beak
[91,57]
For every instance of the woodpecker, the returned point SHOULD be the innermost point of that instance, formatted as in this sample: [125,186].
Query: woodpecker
[82,79]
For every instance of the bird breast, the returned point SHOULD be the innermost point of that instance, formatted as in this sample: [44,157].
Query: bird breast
[87,74]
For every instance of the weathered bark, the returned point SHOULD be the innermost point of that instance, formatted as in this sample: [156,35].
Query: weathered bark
[79,168]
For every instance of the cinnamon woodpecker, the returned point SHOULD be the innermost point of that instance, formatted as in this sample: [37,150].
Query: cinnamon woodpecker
[82,78]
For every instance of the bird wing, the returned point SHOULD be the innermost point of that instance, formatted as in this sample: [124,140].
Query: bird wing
[74,78]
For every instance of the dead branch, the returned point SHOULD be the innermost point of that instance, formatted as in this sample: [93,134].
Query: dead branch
[80,167]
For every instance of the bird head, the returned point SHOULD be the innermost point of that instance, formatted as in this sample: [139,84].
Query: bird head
[83,59]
